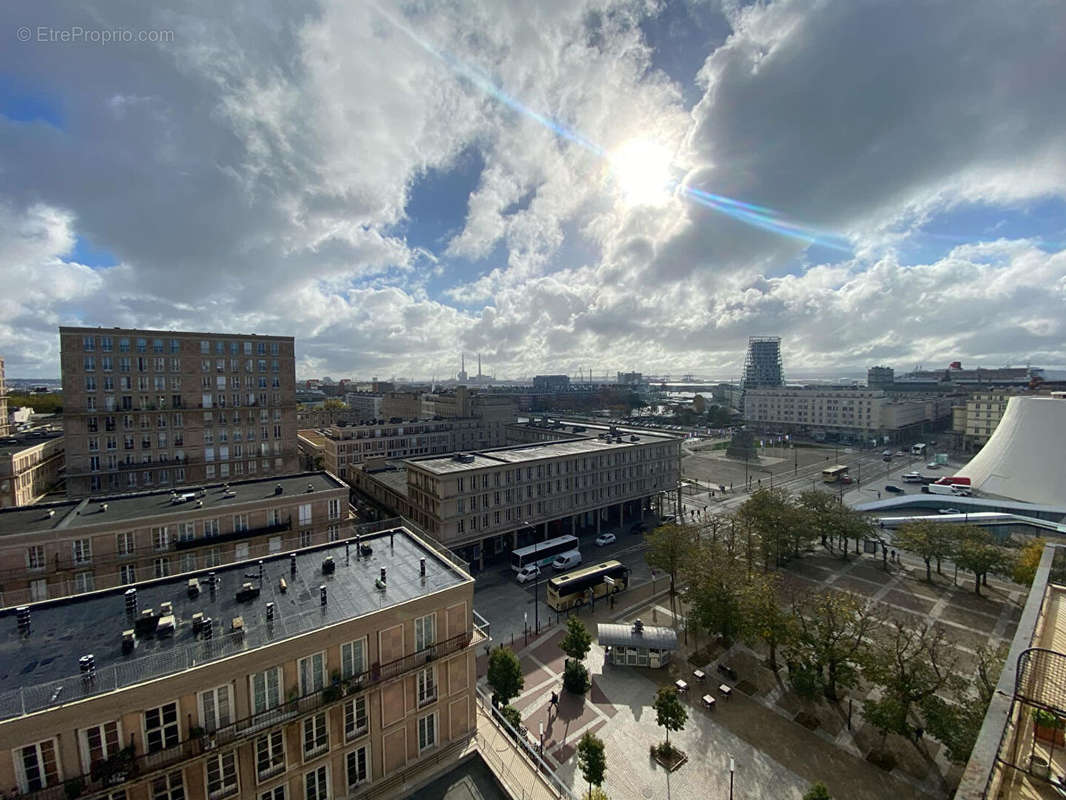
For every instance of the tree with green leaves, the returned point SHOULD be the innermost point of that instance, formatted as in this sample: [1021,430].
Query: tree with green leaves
[592,759]
[505,674]
[1027,560]
[669,548]
[830,639]
[713,590]
[817,792]
[670,714]
[778,523]
[978,553]
[576,644]
[765,617]
[910,664]
[930,541]
[956,721]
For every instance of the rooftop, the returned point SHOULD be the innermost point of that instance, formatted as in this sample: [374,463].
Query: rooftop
[392,478]
[128,507]
[100,330]
[10,445]
[541,451]
[46,662]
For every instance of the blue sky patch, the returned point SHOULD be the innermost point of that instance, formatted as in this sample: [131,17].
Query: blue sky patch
[20,104]
[86,253]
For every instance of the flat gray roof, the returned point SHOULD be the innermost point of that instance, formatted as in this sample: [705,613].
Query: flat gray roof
[47,660]
[656,638]
[524,453]
[395,479]
[151,332]
[24,441]
[123,508]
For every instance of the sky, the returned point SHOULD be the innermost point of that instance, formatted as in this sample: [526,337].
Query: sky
[561,185]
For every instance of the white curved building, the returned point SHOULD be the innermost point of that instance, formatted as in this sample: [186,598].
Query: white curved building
[1025,458]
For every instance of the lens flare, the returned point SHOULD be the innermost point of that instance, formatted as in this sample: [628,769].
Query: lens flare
[641,170]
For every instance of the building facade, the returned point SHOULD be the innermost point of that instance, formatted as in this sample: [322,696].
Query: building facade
[4,429]
[364,405]
[984,410]
[484,502]
[56,550]
[283,679]
[147,409]
[762,365]
[31,464]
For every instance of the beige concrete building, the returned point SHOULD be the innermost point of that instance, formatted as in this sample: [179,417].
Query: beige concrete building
[31,464]
[364,405]
[984,410]
[59,549]
[4,430]
[484,502]
[146,409]
[344,670]
[852,412]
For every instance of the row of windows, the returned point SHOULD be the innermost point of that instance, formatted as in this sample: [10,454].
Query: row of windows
[157,383]
[236,348]
[509,476]
[106,343]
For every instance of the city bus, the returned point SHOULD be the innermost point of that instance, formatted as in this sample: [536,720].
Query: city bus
[542,553]
[918,449]
[835,473]
[572,589]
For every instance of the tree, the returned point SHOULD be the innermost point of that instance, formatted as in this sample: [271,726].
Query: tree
[1027,561]
[669,547]
[831,636]
[956,721]
[713,588]
[910,665]
[929,541]
[977,553]
[669,713]
[51,403]
[505,674]
[765,618]
[577,642]
[817,792]
[779,525]
[592,759]
[333,404]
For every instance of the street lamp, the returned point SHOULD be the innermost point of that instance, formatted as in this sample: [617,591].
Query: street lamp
[536,581]
[732,769]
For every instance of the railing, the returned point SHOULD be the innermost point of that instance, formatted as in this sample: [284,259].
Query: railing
[139,766]
[204,541]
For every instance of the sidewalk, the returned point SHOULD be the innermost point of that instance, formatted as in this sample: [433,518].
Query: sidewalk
[512,767]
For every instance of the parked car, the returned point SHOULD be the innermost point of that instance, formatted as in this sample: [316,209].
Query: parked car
[846,480]
[640,527]
[894,489]
[528,572]
[566,560]
[605,539]
[948,511]
[932,465]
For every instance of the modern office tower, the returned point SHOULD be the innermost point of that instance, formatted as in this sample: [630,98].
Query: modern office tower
[335,671]
[762,367]
[149,409]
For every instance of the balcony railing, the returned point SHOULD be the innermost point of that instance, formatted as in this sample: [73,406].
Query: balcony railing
[248,533]
[126,766]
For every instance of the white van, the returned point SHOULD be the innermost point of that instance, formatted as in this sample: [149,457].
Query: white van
[567,560]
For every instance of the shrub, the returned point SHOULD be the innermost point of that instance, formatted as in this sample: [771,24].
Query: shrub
[576,677]
[514,719]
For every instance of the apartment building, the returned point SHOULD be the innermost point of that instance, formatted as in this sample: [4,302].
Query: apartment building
[59,549]
[983,412]
[329,672]
[147,409]
[364,405]
[30,465]
[4,429]
[484,502]
[848,412]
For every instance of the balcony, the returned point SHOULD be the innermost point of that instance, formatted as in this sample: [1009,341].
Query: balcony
[248,533]
[126,765]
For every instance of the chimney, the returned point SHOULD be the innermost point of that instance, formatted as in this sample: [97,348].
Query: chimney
[23,613]
[131,602]
[270,612]
[422,567]
[278,489]
[292,563]
[383,579]
[322,594]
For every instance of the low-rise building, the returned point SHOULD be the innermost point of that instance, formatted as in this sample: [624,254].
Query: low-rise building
[31,464]
[330,672]
[484,502]
[364,405]
[59,549]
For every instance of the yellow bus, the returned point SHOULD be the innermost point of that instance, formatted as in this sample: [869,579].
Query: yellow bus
[834,474]
[572,588]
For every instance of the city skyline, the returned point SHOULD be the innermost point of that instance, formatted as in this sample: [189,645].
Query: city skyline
[608,186]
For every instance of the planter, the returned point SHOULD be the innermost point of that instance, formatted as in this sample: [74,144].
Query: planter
[672,760]
[1049,728]
[1039,766]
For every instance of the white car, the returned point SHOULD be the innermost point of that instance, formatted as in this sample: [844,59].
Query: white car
[949,511]
[528,573]
[932,465]
[605,539]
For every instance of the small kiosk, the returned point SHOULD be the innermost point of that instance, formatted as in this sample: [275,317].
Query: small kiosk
[636,645]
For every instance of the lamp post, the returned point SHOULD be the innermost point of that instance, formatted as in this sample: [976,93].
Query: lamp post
[536,582]
[732,769]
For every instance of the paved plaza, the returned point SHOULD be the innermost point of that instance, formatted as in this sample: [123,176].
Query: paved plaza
[759,725]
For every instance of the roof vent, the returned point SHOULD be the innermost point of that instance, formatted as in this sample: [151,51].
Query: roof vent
[87,665]
[322,594]
[328,567]
[199,503]
[634,438]
[310,488]
[422,567]
[103,507]
[128,642]
[638,627]
[23,613]
[194,587]
[270,612]
[131,602]
[278,489]
[248,591]
[51,513]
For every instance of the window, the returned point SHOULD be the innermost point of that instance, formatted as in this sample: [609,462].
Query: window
[36,766]
[427,732]
[316,736]
[356,719]
[357,764]
[305,538]
[427,686]
[240,522]
[312,673]
[38,590]
[168,787]
[221,769]
[425,631]
[274,544]
[162,567]
[160,539]
[334,509]
[316,784]
[126,574]
[35,557]
[332,533]
[305,513]
[99,743]
[215,708]
[188,562]
[277,793]
[161,727]
[82,550]
[210,527]
[186,531]
[353,658]
[266,690]
[83,582]
[270,755]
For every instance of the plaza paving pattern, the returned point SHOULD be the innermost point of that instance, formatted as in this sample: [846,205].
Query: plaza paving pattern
[775,755]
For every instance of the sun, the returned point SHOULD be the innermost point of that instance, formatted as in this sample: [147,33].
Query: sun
[641,170]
